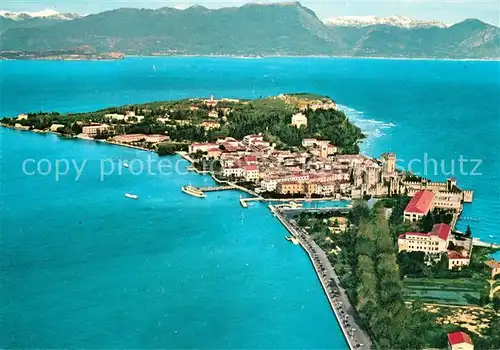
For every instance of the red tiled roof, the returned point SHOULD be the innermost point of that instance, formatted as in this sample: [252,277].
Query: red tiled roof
[214,149]
[493,264]
[441,230]
[250,158]
[459,338]
[250,167]
[456,255]
[420,203]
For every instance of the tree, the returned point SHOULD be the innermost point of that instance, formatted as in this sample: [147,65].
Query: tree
[468,232]
[496,303]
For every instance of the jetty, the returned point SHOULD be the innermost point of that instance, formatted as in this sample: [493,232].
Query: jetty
[216,188]
[345,313]
[476,242]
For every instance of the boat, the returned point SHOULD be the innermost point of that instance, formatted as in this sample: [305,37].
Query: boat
[131,196]
[292,239]
[491,236]
[193,191]
[125,165]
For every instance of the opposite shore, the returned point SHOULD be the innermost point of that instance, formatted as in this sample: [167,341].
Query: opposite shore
[255,57]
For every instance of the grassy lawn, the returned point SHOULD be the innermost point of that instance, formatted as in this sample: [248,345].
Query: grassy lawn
[444,291]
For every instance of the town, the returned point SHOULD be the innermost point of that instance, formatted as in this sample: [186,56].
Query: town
[302,148]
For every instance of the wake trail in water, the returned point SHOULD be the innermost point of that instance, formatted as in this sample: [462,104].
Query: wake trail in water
[372,128]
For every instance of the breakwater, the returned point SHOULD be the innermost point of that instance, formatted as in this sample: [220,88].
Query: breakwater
[345,313]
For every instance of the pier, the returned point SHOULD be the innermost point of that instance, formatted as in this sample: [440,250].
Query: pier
[345,313]
[476,242]
[216,188]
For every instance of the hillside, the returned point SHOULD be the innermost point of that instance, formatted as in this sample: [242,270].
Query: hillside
[468,39]
[252,29]
[8,23]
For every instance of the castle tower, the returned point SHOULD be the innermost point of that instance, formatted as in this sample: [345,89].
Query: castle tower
[388,163]
[324,150]
[450,183]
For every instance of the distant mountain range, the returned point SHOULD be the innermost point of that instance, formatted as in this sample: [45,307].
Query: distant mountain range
[50,14]
[252,29]
[396,21]
[10,20]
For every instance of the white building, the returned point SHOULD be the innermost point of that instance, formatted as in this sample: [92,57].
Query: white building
[55,127]
[434,242]
[419,206]
[236,172]
[95,129]
[299,120]
[202,147]
[308,142]
[115,116]
[249,139]
[456,260]
[251,172]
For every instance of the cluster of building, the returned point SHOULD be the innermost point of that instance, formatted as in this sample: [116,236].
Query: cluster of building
[319,170]
[436,242]
[308,103]
[134,138]
[128,117]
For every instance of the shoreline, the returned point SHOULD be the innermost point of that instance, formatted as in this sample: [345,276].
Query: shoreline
[480,241]
[258,57]
[344,301]
[317,271]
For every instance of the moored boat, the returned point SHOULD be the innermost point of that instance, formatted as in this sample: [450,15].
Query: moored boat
[131,196]
[193,191]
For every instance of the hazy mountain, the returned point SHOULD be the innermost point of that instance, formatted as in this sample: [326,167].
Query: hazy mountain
[468,39]
[10,20]
[51,14]
[256,29]
[250,29]
[396,21]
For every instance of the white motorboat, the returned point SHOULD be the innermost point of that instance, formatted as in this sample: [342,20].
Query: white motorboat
[131,196]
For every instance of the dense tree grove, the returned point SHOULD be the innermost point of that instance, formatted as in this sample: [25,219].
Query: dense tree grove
[437,216]
[273,119]
[169,148]
[367,267]
[269,116]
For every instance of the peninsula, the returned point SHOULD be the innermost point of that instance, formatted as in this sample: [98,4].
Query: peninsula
[302,147]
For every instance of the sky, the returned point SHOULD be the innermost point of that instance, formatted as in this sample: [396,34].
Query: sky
[447,11]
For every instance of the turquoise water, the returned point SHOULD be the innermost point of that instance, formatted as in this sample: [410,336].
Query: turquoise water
[82,266]
[445,109]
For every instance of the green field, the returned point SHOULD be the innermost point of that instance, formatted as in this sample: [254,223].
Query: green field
[444,291]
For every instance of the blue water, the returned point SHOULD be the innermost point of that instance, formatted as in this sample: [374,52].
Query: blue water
[82,266]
